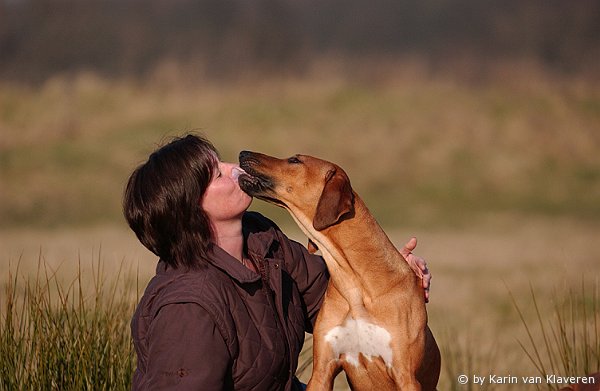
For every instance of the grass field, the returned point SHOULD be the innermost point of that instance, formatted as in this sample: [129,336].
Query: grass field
[421,149]
[471,311]
[498,177]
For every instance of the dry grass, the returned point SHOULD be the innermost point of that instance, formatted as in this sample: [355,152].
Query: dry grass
[471,312]
[57,335]
[522,141]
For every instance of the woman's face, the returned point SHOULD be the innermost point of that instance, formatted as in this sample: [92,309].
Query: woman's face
[223,199]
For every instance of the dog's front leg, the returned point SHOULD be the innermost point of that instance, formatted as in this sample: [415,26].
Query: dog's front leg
[325,367]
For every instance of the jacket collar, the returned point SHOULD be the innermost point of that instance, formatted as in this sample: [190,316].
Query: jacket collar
[259,246]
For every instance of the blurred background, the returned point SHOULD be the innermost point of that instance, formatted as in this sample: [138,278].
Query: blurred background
[473,125]
[439,109]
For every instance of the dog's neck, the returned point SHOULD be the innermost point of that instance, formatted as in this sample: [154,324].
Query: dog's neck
[343,246]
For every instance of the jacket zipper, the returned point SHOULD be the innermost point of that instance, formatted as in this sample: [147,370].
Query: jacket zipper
[270,294]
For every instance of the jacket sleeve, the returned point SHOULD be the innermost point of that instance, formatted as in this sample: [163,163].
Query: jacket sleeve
[186,351]
[311,276]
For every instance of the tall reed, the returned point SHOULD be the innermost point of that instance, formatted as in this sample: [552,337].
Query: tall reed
[464,353]
[567,342]
[66,336]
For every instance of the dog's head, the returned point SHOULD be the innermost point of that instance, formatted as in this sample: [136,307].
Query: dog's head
[312,189]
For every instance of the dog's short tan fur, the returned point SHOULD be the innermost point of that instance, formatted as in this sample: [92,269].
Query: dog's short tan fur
[370,280]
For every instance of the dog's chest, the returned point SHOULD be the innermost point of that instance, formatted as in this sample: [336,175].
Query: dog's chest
[359,336]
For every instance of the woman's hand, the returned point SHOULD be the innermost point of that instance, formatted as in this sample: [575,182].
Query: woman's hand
[418,265]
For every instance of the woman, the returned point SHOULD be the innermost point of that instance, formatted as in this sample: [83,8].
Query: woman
[232,296]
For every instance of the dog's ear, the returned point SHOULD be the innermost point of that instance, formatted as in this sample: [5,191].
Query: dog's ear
[336,200]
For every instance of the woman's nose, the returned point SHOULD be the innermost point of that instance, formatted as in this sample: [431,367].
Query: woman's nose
[236,172]
[232,170]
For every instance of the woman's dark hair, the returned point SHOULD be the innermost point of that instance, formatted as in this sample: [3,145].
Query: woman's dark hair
[162,201]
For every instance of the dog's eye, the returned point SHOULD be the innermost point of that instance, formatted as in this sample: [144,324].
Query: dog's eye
[294,160]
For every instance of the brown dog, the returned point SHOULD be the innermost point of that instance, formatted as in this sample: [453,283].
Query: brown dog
[373,322]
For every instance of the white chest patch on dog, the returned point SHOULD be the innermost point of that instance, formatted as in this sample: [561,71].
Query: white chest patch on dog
[359,336]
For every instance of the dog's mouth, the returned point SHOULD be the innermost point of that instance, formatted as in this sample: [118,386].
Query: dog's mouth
[256,184]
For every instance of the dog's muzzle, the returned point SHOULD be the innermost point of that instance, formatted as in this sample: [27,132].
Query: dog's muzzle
[251,181]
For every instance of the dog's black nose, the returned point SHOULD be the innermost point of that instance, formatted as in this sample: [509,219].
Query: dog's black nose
[244,155]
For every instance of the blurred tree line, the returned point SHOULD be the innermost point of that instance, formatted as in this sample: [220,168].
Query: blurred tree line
[40,38]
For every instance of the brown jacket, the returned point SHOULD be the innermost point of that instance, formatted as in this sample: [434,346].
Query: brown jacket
[225,327]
